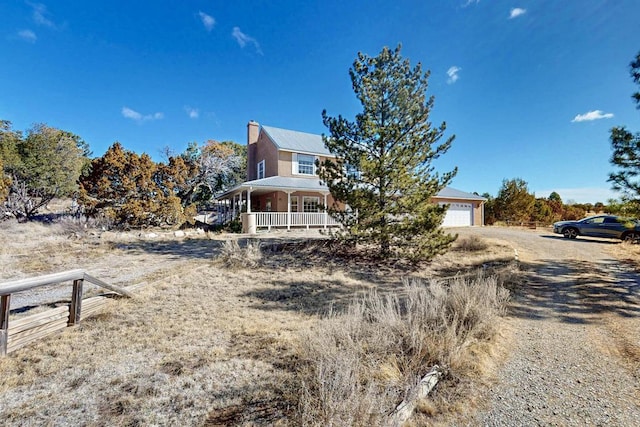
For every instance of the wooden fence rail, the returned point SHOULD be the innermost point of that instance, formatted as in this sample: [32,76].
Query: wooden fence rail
[30,328]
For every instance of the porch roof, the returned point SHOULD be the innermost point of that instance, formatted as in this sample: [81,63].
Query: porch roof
[290,184]
[279,183]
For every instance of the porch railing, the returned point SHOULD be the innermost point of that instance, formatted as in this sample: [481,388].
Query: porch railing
[294,219]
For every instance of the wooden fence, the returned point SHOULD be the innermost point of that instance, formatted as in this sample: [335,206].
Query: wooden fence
[24,330]
[528,224]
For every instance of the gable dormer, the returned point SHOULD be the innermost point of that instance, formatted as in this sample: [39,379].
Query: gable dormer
[281,152]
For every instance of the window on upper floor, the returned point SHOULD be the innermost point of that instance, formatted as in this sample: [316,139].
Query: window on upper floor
[303,164]
[260,170]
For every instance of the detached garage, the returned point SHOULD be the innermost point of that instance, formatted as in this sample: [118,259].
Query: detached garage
[465,209]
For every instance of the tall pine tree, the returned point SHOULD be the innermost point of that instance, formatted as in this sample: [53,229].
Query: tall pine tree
[383,179]
[626,153]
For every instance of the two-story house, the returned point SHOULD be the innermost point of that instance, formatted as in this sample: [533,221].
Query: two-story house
[283,189]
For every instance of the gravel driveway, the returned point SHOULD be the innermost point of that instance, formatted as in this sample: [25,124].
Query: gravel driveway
[576,326]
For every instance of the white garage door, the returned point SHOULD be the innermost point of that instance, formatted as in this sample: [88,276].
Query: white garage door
[458,215]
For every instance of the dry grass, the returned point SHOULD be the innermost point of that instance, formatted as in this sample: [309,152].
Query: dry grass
[234,256]
[173,355]
[628,252]
[204,344]
[621,332]
[470,243]
[359,365]
[33,248]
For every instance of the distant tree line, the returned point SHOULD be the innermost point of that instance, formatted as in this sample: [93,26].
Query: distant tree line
[122,187]
[515,204]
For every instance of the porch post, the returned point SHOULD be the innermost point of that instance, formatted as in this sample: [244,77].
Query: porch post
[325,210]
[233,207]
[249,199]
[288,210]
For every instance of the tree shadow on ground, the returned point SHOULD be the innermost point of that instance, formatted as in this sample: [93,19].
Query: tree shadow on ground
[582,239]
[346,280]
[258,406]
[317,297]
[207,247]
[486,267]
[179,248]
[295,256]
[576,291]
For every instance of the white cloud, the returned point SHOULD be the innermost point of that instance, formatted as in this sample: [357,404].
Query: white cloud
[193,113]
[135,116]
[452,72]
[207,20]
[40,14]
[243,39]
[516,11]
[131,114]
[28,36]
[470,2]
[592,115]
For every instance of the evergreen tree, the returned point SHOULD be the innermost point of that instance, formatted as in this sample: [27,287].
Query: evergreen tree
[542,211]
[557,206]
[133,190]
[598,207]
[514,202]
[199,173]
[626,153]
[124,187]
[8,156]
[42,165]
[489,209]
[555,197]
[383,179]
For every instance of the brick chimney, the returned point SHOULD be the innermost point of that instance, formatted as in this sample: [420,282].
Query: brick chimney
[253,130]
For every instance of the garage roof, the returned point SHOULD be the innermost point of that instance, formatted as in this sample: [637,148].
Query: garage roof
[452,193]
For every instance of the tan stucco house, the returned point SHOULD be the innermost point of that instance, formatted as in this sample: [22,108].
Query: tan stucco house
[283,189]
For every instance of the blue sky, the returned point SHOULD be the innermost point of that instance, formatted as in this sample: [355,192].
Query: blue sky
[529,88]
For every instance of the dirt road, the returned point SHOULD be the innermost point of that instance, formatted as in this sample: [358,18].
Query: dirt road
[575,359]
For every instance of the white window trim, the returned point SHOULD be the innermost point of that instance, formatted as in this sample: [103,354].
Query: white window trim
[297,205]
[258,170]
[317,203]
[295,165]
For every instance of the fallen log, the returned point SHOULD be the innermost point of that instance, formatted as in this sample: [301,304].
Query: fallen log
[405,409]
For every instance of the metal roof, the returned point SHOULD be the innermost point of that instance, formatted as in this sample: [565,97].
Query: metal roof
[299,142]
[280,183]
[452,193]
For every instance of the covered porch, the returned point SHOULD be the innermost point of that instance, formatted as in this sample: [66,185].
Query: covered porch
[279,203]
